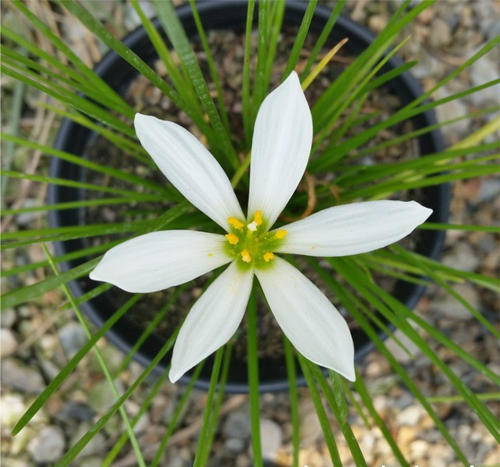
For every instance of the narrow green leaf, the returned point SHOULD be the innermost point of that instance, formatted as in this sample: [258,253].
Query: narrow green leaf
[211,66]
[356,404]
[336,401]
[467,228]
[253,378]
[73,205]
[179,410]
[260,85]
[494,396]
[320,410]
[96,229]
[300,38]
[325,34]
[245,93]
[14,117]
[367,401]
[214,422]
[294,399]
[85,186]
[202,445]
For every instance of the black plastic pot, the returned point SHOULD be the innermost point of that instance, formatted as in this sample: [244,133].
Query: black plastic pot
[75,139]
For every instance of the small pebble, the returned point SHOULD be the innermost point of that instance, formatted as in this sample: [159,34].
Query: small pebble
[237,426]
[21,377]
[8,343]
[48,445]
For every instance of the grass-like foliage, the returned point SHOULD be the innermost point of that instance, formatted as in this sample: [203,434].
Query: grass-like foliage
[340,144]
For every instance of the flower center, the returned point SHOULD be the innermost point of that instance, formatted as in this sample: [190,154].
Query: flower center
[252,245]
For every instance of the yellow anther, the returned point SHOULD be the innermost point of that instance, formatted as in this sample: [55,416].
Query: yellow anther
[258,218]
[268,256]
[245,256]
[280,234]
[235,223]
[232,239]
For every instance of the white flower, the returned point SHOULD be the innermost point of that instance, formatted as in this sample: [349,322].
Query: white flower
[280,151]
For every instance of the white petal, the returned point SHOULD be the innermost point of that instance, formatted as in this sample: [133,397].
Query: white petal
[353,228]
[159,260]
[280,149]
[212,321]
[190,168]
[308,319]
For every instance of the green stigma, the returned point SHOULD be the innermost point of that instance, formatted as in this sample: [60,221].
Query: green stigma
[252,245]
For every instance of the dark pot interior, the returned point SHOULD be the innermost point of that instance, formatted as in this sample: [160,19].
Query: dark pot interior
[74,139]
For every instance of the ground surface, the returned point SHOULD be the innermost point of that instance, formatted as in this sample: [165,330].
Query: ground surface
[37,339]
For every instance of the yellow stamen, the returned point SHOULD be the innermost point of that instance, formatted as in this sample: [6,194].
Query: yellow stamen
[268,256]
[280,234]
[232,239]
[258,218]
[245,256]
[235,223]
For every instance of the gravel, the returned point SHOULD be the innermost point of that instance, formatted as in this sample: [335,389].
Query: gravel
[442,37]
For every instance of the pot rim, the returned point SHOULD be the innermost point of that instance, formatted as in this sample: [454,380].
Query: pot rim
[434,141]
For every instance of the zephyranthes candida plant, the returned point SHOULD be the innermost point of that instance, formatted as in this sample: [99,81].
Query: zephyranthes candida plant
[280,151]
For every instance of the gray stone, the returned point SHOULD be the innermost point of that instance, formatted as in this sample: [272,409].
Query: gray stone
[441,33]
[12,407]
[8,343]
[462,257]
[101,396]
[271,438]
[483,71]
[7,318]
[490,188]
[399,353]
[310,427]
[410,416]
[428,66]
[91,462]
[27,218]
[234,445]
[72,337]
[450,111]
[49,369]
[48,445]
[20,377]
[112,356]
[75,412]
[451,308]
[96,445]
[237,426]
